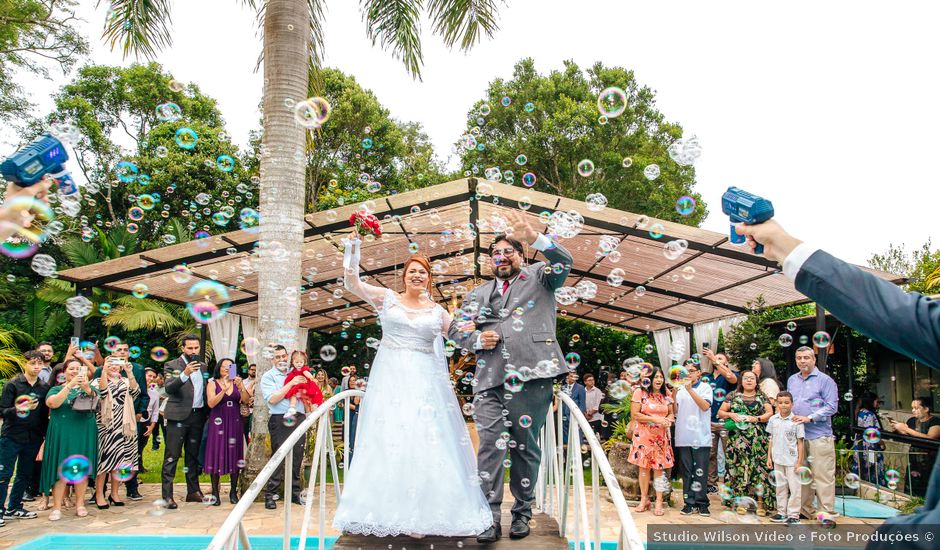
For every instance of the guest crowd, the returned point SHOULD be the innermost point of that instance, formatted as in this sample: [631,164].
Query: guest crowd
[758,443]
[86,420]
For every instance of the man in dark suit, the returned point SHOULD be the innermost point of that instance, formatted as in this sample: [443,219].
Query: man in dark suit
[908,323]
[185,416]
[577,394]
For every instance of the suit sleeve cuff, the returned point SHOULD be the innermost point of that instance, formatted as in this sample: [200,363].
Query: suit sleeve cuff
[184,377]
[797,257]
[541,243]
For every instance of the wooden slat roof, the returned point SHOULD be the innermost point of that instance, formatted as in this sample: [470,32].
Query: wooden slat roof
[441,220]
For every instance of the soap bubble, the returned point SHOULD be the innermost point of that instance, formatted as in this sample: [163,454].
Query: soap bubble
[208,301]
[44,265]
[657,230]
[111,343]
[615,277]
[573,359]
[186,138]
[719,395]
[140,290]
[225,163]
[596,202]
[791,326]
[785,340]
[805,475]
[618,390]
[627,162]
[124,472]
[648,349]
[651,172]
[182,274]
[525,421]
[159,354]
[821,339]
[688,273]
[673,250]
[168,112]
[528,179]
[677,375]
[685,151]
[892,476]
[612,102]
[585,167]
[685,205]
[506,101]
[872,435]
[176,86]
[78,306]
[513,381]
[312,113]
[75,469]
[126,171]
[640,291]
[328,353]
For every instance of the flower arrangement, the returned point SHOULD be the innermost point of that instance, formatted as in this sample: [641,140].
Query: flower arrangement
[365,223]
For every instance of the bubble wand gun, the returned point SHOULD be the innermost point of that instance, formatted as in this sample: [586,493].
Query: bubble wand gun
[44,156]
[743,207]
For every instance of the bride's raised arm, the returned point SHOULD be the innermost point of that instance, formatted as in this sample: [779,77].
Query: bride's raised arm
[374,295]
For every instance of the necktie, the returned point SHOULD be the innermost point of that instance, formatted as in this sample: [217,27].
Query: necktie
[505,286]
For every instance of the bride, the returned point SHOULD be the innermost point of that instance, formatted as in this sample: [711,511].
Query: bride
[414,470]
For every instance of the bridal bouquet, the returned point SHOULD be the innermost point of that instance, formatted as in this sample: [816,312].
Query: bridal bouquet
[366,224]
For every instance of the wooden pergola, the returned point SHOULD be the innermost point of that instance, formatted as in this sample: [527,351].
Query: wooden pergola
[453,224]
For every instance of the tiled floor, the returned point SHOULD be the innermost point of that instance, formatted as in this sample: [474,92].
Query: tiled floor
[195,518]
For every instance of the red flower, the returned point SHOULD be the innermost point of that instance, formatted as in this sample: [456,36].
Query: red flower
[365,223]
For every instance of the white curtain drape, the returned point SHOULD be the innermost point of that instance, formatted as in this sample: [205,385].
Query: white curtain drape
[250,330]
[680,335]
[662,340]
[706,332]
[302,339]
[224,335]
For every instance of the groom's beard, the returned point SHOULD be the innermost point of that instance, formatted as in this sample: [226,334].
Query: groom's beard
[507,271]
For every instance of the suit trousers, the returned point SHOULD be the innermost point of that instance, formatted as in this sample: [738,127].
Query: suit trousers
[534,401]
[279,434]
[133,484]
[821,458]
[694,459]
[183,435]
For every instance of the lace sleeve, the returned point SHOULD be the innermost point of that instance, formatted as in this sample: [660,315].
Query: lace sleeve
[445,321]
[374,295]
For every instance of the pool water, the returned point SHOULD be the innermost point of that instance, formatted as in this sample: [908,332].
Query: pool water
[61,541]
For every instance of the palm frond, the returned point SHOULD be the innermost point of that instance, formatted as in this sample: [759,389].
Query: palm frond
[11,362]
[56,320]
[463,21]
[80,253]
[143,314]
[141,27]
[176,227]
[55,291]
[395,25]
[933,280]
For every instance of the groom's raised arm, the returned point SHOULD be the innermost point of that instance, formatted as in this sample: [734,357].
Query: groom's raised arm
[555,254]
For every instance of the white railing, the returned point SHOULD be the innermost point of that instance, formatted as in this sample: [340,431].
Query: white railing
[558,476]
[557,473]
[233,531]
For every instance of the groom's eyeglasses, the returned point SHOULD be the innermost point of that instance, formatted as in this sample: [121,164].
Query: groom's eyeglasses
[509,251]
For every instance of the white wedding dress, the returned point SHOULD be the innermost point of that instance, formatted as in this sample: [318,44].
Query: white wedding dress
[413,469]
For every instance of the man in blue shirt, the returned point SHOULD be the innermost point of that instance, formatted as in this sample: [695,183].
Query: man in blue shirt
[273,391]
[725,380]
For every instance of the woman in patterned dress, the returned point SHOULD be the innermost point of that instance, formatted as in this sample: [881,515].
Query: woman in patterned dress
[117,428]
[868,462]
[746,412]
[652,412]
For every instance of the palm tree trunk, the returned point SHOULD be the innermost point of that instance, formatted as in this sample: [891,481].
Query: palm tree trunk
[286,39]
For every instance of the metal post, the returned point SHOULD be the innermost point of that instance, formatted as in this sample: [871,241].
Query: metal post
[475,220]
[822,353]
[848,358]
[203,331]
[78,323]
[288,479]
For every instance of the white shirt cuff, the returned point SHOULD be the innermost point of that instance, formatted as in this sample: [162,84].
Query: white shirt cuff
[541,243]
[478,345]
[797,257]
[184,377]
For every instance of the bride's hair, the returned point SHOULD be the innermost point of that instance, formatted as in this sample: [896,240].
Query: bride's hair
[423,261]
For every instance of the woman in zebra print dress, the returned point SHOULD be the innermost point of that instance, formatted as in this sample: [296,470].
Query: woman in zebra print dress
[117,429]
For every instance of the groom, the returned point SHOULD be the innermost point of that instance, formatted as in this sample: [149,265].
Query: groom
[515,367]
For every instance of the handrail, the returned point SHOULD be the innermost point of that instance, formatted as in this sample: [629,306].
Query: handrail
[232,530]
[554,499]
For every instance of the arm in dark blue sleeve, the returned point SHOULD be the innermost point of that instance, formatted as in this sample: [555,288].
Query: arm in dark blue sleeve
[908,323]
[7,397]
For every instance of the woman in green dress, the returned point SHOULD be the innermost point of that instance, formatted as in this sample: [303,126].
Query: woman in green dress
[71,435]
[745,412]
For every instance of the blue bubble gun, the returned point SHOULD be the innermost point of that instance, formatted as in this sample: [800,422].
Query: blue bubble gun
[45,155]
[743,207]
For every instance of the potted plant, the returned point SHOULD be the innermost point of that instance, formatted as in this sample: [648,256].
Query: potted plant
[618,448]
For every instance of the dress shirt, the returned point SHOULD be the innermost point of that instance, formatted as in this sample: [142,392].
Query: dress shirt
[796,258]
[153,406]
[592,400]
[45,374]
[817,385]
[271,383]
[199,400]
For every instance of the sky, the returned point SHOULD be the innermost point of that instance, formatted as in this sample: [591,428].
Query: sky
[828,109]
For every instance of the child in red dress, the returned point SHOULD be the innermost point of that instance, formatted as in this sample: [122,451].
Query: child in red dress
[308,393]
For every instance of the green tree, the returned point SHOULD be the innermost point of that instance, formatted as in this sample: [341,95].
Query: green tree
[554,122]
[360,142]
[916,266]
[34,34]
[115,111]
[599,348]
[752,338]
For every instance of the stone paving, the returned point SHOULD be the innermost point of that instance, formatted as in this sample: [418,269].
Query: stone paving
[198,519]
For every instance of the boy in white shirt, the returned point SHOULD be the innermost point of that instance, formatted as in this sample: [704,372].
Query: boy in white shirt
[784,456]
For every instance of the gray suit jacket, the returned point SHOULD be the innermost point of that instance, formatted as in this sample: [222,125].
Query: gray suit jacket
[179,394]
[533,351]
